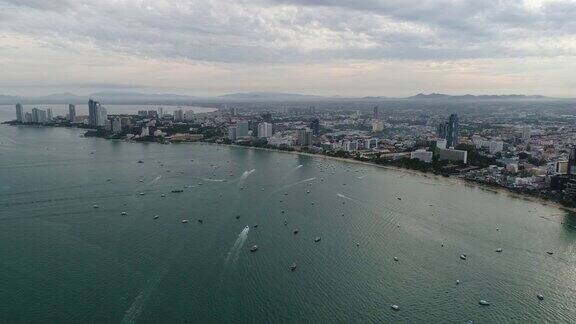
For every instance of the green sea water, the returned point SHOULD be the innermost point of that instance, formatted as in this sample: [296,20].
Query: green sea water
[64,261]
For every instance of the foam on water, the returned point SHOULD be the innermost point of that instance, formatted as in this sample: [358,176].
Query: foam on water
[234,252]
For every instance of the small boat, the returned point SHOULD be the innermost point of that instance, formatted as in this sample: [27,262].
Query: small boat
[395,307]
[177,190]
[141,180]
[95,206]
[285,222]
[156,216]
[293,267]
[395,258]
[184,221]
[237,216]
[457,282]
[484,303]
[498,250]
[108,179]
[254,248]
[200,221]
[123,213]
[357,244]
[283,212]
[540,297]
[550,252]
[398,198]
[140,161]
[255,226]
[463,256]
[295,231]
[317,239]
[141,194]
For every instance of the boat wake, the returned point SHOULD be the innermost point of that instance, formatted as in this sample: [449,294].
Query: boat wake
[345,197]
[245,175]
[212,180]
[133,313]
[234,252]
[156,179]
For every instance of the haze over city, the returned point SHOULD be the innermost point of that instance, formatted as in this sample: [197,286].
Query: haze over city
[341,47]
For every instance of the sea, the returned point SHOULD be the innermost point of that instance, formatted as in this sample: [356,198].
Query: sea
[133,259]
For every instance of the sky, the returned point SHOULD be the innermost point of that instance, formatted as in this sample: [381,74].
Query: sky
[326,47]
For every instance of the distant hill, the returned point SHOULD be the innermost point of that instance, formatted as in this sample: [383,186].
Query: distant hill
[436,96]
[269,96]
[139,98]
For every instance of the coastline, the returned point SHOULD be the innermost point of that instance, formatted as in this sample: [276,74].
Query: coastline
[452,180]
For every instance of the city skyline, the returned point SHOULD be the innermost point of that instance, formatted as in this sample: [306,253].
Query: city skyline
[209,48]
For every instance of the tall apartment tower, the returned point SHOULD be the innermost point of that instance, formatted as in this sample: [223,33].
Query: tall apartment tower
[19,112]
[72,113]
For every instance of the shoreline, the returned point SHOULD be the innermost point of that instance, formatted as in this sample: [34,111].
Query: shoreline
[452,180]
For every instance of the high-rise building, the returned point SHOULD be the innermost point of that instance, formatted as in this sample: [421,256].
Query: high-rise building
[232,130]
[27,117]
[376,115]
[178,115]
[97,114]
[264,130]
[116,125]
[305,137]
[242,129]
[189,115]
[572,161]
[38,115]
[102,117]
[19,113]
[49,114]
[449,131]
[526,132]
[441,131]
[315,126]
[452,130]
[72,113]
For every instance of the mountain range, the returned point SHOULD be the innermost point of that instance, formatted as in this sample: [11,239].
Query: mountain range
[440,96]
[167,98]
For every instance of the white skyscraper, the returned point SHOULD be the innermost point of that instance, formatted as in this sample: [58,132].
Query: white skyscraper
[265,130]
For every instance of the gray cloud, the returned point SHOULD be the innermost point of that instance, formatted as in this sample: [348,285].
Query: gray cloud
[277,31]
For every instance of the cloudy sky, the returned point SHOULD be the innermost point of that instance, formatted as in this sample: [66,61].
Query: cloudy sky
[327,47]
